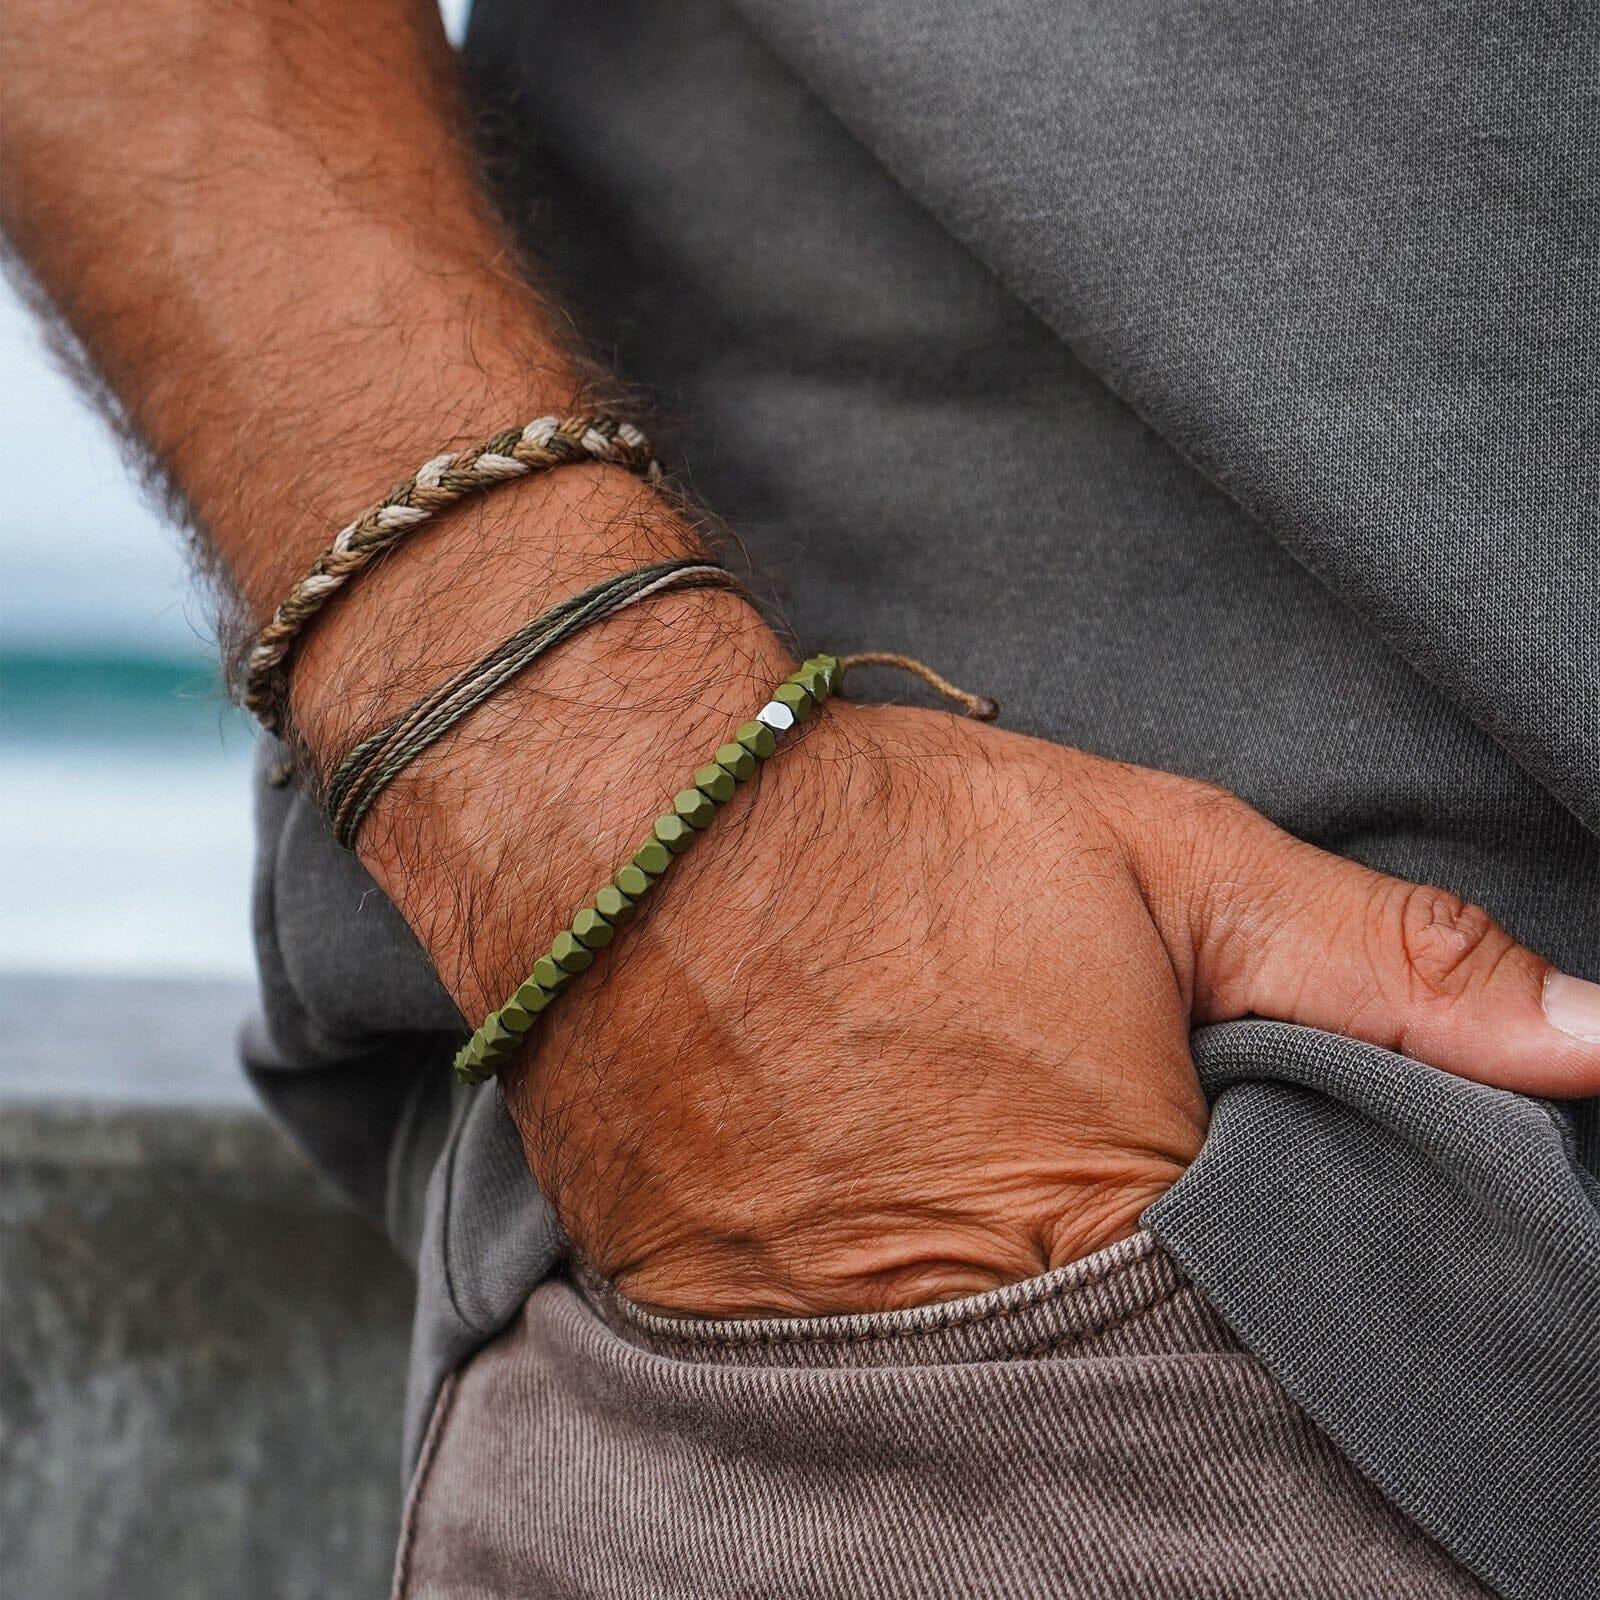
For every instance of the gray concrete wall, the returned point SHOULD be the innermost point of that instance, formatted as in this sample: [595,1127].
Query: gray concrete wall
[201,1352]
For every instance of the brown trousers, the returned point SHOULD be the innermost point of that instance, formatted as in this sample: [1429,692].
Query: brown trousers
[1095,1432]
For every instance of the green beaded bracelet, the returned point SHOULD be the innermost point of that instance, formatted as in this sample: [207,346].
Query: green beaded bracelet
[505,1031]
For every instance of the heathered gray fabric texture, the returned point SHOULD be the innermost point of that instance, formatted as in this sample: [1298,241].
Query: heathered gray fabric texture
[1214,386]
[1473,1400]
[1098,1432]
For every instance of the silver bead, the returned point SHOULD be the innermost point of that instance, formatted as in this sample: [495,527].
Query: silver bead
[776,716]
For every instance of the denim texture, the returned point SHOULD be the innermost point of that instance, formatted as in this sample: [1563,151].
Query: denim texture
[1213,385]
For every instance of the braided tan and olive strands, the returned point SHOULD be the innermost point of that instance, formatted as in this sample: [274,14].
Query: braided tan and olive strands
[545,443]
[381,757]
[712,786]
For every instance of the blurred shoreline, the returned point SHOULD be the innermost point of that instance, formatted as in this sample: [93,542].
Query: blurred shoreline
[124,816]
[159,1042]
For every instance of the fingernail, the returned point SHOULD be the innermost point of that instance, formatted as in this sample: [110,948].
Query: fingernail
[1572,1005]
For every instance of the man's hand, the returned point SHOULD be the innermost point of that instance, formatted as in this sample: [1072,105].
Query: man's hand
[914,1023]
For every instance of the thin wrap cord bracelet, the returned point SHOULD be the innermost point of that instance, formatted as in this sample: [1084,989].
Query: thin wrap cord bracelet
[380,758]
[503,1032]
[374,763]
[545,443]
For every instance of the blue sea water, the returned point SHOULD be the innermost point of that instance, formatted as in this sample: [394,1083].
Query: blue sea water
[124,816]
[124,796]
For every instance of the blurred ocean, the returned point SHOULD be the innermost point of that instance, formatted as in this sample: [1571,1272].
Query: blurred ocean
[124,792]
[124,818]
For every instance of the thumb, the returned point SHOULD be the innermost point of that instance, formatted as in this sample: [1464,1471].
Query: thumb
[1290,932]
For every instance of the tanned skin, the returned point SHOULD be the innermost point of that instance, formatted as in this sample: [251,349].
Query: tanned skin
[912,1020]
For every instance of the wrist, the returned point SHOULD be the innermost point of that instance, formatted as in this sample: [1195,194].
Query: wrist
[519,816]
[460,586]
[492,838]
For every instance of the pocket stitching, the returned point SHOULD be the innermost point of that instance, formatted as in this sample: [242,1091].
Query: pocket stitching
[672,1330]
[1055,1344]
[1065,1341]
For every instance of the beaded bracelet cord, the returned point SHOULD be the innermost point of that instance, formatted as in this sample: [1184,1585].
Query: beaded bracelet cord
[545,443]
[504,1031]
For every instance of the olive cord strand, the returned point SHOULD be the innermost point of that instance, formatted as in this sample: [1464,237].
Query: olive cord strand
[541,445]
[373,764]
[509,658]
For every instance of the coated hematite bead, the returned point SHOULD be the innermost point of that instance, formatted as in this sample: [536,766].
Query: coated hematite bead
[594,925]
[796,698]
[569,954]
[592,930]
[548,975]
[471,1068]
[533,997]
[695,808]
[714,783]
[495,1056]
[652,858]
[736,760]
[519,1012]
[814,681]
[496,1038]
[614,905]
[757,738]
[674,833]
[633,881]
[516,1016]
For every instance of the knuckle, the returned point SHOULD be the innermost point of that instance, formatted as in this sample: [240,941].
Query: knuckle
[1449,946]
[1205,806]
[1201,822]
[1226,842]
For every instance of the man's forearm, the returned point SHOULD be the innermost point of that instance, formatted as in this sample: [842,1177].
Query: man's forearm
[262,222]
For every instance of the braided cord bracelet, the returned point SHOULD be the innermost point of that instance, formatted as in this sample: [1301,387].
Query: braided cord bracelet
[504,1031]
[380,758]
[545,443]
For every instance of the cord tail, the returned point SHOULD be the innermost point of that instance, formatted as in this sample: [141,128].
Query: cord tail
[979,706]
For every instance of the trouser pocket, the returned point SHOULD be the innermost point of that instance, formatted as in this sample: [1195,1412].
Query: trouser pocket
[1094,1432]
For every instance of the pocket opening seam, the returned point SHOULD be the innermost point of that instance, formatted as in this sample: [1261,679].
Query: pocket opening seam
[668,1331]
[1066,1341]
